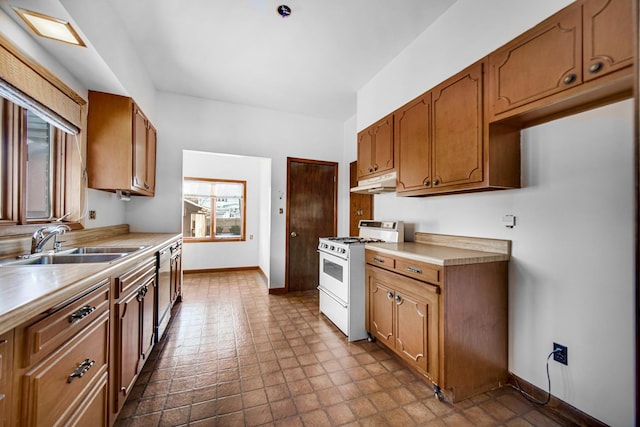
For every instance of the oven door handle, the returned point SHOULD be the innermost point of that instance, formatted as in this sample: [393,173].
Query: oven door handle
[329,254]
[332,296]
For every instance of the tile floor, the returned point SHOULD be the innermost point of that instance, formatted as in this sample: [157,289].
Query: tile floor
[236,356]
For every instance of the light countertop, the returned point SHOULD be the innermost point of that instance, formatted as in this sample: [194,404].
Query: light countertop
[28,290]
[437,254]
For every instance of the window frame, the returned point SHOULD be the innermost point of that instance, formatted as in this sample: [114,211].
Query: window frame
[213,238]
[13,176]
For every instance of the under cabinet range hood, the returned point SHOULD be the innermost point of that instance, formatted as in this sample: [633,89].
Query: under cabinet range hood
[378,184]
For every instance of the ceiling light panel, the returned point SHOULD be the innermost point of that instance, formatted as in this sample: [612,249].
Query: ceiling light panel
[49,27]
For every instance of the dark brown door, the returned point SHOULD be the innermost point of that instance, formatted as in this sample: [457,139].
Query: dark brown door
[311,213]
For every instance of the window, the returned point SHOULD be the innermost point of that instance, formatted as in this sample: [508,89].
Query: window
[39,169]
[213,209]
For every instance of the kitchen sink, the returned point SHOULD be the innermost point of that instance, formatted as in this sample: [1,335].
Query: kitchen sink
[81,255]
[63,259]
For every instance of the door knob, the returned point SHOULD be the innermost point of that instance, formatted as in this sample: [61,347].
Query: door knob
[294,234]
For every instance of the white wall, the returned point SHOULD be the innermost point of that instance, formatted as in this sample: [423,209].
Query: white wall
[209,255]
[187,123]
[571,275]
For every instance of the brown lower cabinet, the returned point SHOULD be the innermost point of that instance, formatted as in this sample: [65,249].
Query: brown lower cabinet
[61,363]
[133,334]
[6,369]
[176,272]
[403,314]
[76,363]
[448,323]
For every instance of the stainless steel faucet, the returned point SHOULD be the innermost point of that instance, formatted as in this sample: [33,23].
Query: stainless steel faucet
[42,235]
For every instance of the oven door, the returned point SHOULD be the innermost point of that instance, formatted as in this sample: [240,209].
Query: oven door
[334,276]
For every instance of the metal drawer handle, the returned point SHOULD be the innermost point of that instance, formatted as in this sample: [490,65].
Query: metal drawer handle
[380,260]
[414,270]
[81,370]
[390,295]
[81,313]
[398,298]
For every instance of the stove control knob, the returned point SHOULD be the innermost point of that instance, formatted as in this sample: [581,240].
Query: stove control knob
[333,248]
[342,250]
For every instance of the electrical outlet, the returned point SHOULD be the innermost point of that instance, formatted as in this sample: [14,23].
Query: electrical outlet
[560,356]
[92,214]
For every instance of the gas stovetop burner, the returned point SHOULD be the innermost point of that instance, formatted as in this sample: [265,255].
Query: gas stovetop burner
[350,240]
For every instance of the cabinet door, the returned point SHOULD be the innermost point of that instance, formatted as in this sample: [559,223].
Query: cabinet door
[6,362]
[538,64]
[146,297]
[128,352]
[139,149]
[412,141]
[360,205]
[608,36]
[383,145]
[416,321]
[365,153]
[381,297]
[179,278]
[458,129]
[150,166]
[176,277]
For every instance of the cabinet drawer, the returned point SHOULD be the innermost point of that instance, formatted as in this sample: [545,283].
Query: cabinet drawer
[93,411]
[418,270]
[54,389]
[379,260]
[132,278]
[44,336]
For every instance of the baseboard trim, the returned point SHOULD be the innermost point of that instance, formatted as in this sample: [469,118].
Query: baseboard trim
[277,291]
[220,270]
[560,407]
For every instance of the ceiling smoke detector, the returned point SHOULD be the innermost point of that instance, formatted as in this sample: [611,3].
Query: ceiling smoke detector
[284,10]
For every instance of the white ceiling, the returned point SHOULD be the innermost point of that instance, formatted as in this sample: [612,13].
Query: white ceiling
[243,52]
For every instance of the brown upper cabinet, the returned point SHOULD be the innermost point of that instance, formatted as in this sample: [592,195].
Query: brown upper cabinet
[413,146]
[584,42]
[539,63]
[608,36]
[121,145]
[375,148]
[441,145]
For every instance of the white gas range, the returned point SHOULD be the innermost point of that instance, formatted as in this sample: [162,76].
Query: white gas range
[342,281]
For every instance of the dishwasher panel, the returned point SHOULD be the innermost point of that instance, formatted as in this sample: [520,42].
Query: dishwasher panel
[163,299]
